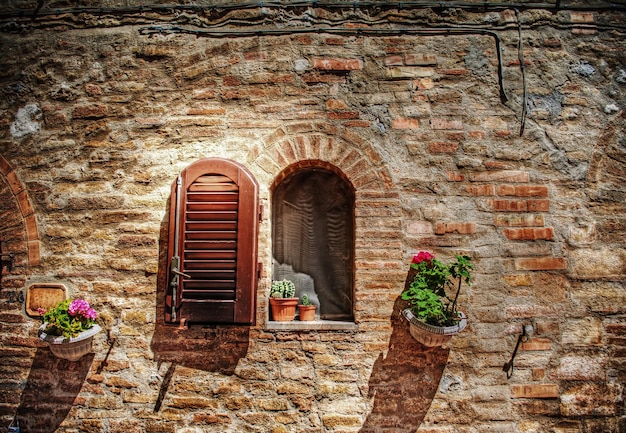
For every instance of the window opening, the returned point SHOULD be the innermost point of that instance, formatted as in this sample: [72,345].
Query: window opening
[313,238]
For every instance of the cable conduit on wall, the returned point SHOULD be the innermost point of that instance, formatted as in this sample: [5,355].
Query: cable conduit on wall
[478,6]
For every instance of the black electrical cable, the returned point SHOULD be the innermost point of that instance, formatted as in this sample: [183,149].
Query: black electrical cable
[440,31]
[405,5]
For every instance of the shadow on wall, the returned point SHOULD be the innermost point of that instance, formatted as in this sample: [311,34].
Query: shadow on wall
[405,381]
[214,348]
[51,390]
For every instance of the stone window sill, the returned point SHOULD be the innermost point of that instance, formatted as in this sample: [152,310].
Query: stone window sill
[313,325]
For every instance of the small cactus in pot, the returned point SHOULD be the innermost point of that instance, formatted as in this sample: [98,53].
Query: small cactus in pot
[283,289]
[307,309]
[282,300]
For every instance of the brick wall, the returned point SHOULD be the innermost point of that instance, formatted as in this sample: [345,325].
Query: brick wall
[98,118]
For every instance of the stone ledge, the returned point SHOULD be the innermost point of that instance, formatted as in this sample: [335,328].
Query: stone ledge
[313,325]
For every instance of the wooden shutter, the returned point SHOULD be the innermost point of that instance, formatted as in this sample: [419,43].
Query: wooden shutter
[215,213]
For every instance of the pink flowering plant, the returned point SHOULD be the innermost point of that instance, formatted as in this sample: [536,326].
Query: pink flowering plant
[68,318]
[429,292]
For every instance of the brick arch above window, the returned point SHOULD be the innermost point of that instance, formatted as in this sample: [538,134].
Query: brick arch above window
[378,250]
[24,233]
[354,155]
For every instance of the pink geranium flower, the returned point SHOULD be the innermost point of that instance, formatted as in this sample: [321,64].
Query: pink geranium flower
[422,256]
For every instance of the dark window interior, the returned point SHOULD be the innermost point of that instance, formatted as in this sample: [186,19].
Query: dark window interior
[313,238]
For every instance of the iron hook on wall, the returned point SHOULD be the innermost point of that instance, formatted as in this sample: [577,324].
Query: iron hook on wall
[527,330]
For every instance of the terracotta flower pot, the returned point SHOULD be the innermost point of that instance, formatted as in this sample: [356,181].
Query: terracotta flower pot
[307,312]
[73,348]
[429,335]
[283,309]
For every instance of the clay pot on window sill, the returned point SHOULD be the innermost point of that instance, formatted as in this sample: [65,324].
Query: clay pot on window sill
[283,309]
[307,312]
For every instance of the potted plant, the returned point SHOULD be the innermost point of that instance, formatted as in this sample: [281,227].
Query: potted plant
[282,300]
[69,328]
[433,314]
[307,309]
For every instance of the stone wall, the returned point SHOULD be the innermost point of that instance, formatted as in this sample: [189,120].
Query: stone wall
[102,109]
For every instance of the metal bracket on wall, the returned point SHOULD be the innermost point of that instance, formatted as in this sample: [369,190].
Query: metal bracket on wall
[527,330]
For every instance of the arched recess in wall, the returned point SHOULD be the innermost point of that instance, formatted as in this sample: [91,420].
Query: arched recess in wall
[378,230]
[18,233]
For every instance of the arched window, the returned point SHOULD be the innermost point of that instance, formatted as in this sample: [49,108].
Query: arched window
[212,249]
[313,236]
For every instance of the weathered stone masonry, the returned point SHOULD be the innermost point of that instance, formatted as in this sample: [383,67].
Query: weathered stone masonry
[102,107]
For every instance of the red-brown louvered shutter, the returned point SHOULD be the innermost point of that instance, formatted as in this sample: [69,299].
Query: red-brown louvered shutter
[215,209]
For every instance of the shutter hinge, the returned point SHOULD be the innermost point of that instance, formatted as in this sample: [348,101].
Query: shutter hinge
[260,213]
[259,270]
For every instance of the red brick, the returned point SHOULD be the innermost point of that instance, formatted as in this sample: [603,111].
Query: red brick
[394,60]
[405,123]
[535,391]
[14,182]
[343,115]
[34,252]
[476,134]
[538,373]
[481,190]
[523,190]
[255,55]
[336,104]
[540,263]
[534,344]
[509,205]
[496,165]
[529,233]
[24,202]
[454,176]
[455,136]
[337,64]
[461,228]
[421,59]
[357,123]
[5,167]
[443,147]
[538,205]
[581,17]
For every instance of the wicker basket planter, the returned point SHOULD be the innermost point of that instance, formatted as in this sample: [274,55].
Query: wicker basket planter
[73,348]
[429,335]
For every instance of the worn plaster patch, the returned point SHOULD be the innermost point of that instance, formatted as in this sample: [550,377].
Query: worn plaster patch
[27,121]
[582,68]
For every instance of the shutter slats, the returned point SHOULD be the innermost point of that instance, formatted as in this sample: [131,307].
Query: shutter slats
[225,216]
[210,226]
[214,264]
[210,247]
[212,235]
[217,243]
